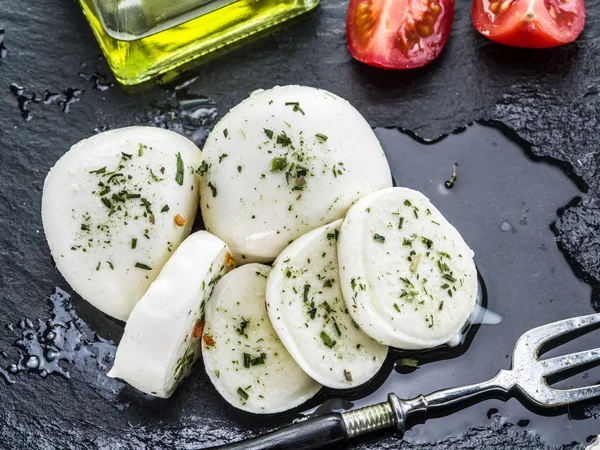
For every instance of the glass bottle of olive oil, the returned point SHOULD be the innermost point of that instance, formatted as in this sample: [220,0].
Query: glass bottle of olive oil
[143,39]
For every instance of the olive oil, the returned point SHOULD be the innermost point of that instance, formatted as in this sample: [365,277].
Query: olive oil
[144,39]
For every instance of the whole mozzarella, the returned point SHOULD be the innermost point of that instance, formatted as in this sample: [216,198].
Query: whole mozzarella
[283,162]
[162,336]
[243,356]
[308,312]
[109,208]
[407,276]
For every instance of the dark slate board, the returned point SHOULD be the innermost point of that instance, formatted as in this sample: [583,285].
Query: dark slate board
[549,98]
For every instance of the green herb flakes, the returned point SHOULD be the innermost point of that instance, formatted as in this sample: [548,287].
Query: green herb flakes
[225,132]
[321,137]
[379,238]
[143,266]
[278,164]
[202,169]
[180,170]
[213,188]
[243,394]
[327,340]
[268,132]
[133,243]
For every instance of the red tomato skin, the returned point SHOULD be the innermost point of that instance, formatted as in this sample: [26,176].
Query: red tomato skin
[393,60]
[525,32]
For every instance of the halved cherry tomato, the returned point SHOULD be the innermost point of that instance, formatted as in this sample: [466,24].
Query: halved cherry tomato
[398,34]
[529,23]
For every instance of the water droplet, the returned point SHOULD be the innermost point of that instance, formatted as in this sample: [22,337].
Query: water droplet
[492,412]
[33,362]
[506,226]
[3,50]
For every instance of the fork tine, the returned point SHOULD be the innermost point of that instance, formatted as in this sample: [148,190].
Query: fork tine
[546,333]
[558,364]
[560,397]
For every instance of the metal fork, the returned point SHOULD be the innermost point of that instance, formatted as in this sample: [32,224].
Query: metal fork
[527,375]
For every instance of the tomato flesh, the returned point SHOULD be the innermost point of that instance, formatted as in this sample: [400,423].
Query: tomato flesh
[398,34]
[529,23]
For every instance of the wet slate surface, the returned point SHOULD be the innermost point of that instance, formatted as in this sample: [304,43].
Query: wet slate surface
[549,98]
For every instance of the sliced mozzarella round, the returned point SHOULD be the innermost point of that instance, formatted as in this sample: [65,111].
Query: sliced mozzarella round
[407,276]
[114,209]
[310,316]
[162,336]
[243,356]
[283,162]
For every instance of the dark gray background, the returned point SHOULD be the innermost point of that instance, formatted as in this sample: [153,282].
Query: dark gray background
[548,97]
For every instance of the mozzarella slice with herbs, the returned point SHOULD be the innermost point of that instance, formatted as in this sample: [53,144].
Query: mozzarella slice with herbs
[310,316]
[407,275]
[114,209]
[162,337]
[283,162]
[244,358]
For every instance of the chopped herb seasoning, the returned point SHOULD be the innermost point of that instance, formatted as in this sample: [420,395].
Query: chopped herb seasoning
[141,149]
[222,157]
[445,255]
[427,242]
[337,328]
[296,106]
[250,360]
[348,375]
[133,243]
[441,305]
[283,139]
[379,238]
[268,132]
[321,137]
[415,263]
[400,222]
[328,283]
[278,164]
[85,227]
[213,188]
[202,169]
[99,171]
[165,209]
[106,202]
[133,195]
[241,330]
[406,242]
[396,307]
[408,362]
[239,169]
[449,277]
[243,394]
[142,266]
[225,132]
[407,202]
[416,213]
[180,170]
[434,222]
[327,340]
[305,293]
[110,264]
[98,267]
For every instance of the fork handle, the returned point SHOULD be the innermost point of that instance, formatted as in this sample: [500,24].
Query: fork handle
[323,431]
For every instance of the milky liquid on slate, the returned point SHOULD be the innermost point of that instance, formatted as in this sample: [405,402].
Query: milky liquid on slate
[502,202]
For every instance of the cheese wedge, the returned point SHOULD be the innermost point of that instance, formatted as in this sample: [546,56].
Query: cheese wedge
[310,316]
[115,207]
[244,358]
[407,275]
[162,336]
